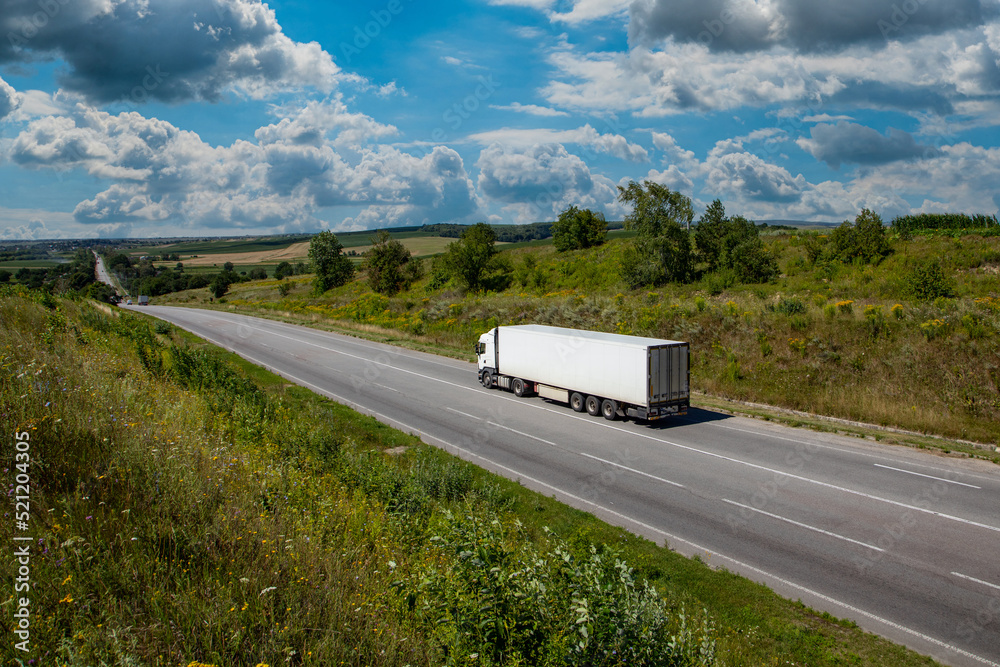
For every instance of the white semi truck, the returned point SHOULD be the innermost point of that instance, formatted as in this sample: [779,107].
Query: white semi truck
[602,373]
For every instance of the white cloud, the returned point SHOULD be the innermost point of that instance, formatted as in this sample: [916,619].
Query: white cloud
[949,73]
[9,99]
[537,182]
[612,144]
[590,10]
[319,122]
[532,109]
[321,156]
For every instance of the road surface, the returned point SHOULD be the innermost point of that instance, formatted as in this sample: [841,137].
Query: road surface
[903,542]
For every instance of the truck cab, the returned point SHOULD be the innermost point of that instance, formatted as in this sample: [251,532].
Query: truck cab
[486,358]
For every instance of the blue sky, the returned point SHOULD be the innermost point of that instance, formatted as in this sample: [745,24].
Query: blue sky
[221,117]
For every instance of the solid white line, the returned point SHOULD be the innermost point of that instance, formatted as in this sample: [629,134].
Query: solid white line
[978,581]
[801,525]
[843,450]
[365,359]
[632,470]
[646,526]
[920,474]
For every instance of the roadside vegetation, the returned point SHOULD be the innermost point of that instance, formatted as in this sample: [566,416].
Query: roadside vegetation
[893,325]
[190,508]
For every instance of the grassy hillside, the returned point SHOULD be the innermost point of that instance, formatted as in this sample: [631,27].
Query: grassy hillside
[845,340]
[187,507]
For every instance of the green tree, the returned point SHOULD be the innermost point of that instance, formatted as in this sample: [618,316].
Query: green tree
[389,265]
[710,232]
[220,284]
[331,265]
[283,270]
[577,229]
[662,250]
[473,259]
[864,240]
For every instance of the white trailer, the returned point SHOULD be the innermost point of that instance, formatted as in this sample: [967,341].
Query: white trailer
[602,373]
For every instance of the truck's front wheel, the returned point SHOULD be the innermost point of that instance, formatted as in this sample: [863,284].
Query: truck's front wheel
[576,401]
[486,378]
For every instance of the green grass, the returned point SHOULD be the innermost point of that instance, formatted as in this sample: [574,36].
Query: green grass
[887,358]
[190,507]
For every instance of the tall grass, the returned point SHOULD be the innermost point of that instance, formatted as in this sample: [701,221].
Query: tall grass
[182,514]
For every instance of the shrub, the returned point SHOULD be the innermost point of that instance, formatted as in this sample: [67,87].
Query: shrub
[926,281]
[493,597]
[790,307]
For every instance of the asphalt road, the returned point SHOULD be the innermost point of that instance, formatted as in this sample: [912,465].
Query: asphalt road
[903,542]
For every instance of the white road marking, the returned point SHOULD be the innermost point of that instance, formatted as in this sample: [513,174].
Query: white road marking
[632,470]
[978,581]
[920,474]
[853,452]
[801,525]
[557,446]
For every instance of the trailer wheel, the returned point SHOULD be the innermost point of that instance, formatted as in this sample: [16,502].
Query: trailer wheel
[486,379]
[517,386]
[609,409]
[593,406]
[576,401]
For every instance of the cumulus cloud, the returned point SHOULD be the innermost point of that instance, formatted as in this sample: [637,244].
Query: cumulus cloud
[745,25]
[537,182]
[169,50]
[9,99]
[732,170]
[964,177]
[319,122]
[35,229]
[612,144]
[953,72]
[859,144]
[161,173]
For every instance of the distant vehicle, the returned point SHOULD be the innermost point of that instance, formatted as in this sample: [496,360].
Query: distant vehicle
[602,373]
[143,300]
[129,302]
